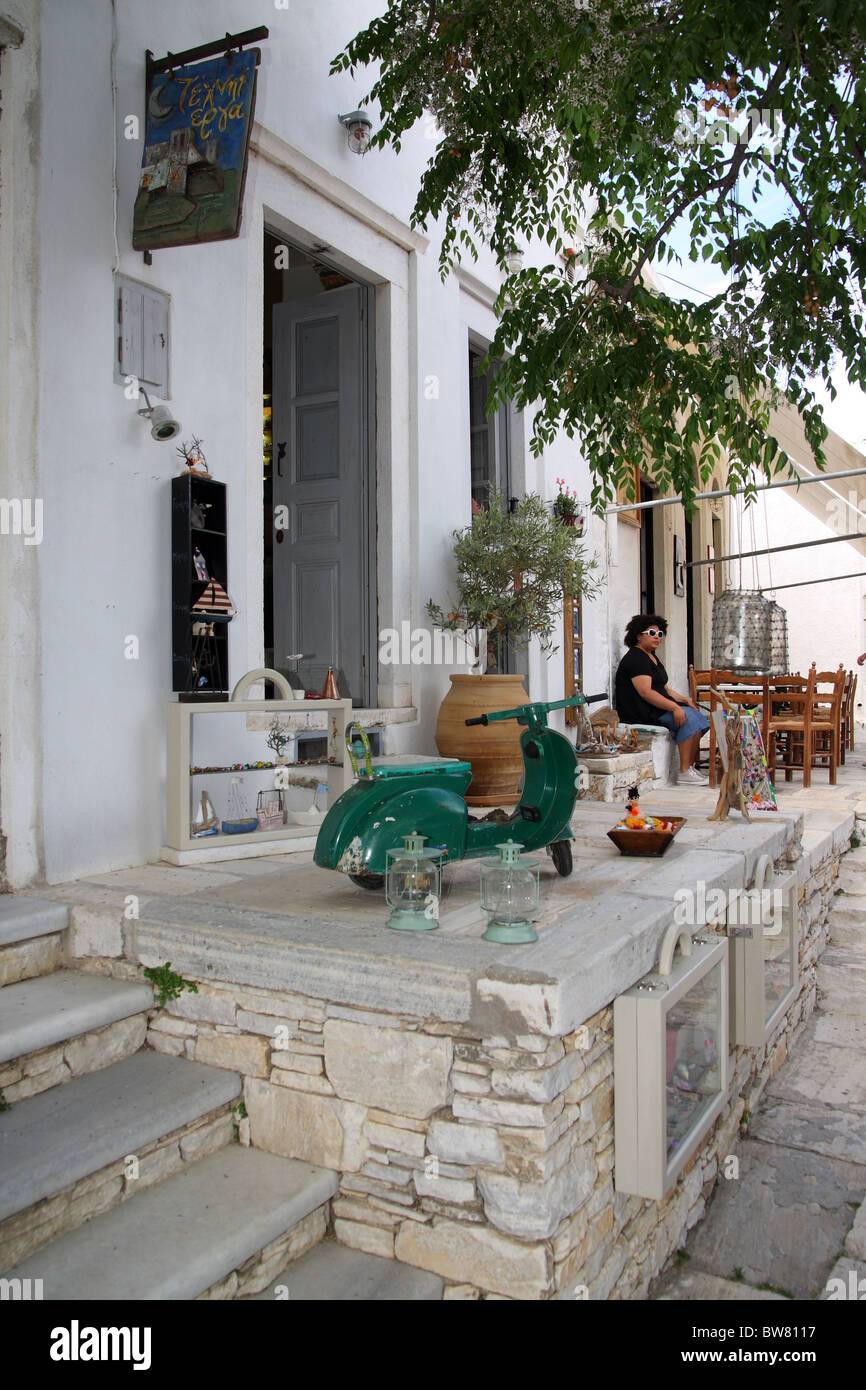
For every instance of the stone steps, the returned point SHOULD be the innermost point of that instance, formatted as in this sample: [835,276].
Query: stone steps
[66,1024]
[848,919]
[841,977]
[220,1229]
[85,1146]
[694,1286]
[30,937]
[852,874]
[332,1273]
[36,1013]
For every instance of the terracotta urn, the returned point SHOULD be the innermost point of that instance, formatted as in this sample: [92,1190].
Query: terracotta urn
[494,749]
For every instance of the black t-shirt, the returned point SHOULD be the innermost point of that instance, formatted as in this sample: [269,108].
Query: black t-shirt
[629,705]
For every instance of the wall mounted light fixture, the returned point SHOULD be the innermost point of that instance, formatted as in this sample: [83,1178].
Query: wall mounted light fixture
[163,424]
[358,126]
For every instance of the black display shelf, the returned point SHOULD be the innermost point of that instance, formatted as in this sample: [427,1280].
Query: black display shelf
[187,588]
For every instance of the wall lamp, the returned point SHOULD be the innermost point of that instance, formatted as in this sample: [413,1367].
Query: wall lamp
[358,126]
[163,425]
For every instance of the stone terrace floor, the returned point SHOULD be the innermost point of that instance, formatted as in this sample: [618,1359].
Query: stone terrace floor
[599,930]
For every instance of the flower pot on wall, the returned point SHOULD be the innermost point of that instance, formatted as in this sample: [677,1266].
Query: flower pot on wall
[494,749]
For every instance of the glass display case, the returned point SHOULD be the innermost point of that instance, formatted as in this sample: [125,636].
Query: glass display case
[763,930]
[670,1061]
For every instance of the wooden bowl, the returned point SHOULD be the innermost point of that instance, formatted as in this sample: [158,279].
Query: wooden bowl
[647,842]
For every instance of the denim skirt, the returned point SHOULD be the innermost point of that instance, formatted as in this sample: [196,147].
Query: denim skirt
[696,723]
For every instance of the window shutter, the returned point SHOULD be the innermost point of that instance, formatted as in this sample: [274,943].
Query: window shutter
[141,335]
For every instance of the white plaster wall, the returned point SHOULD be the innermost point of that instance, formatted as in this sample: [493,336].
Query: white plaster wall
[20,475]
[826,622]
[105,559]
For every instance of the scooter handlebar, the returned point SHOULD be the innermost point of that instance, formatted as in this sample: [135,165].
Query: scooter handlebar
[546,706]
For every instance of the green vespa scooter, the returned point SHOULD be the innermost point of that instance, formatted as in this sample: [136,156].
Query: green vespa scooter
[386,803]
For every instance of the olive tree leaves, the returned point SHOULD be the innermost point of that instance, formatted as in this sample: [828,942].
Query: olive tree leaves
[602,127]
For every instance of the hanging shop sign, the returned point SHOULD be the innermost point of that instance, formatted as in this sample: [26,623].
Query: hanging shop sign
[197,133]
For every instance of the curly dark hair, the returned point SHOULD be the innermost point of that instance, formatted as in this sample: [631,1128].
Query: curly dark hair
[639,623]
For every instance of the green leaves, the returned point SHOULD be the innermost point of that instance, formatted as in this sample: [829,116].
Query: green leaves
[513,569]
[737,126]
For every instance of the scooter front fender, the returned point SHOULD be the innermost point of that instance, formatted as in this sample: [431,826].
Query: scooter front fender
[363,825]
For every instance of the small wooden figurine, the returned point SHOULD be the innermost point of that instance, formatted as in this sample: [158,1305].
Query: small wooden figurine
[731,792]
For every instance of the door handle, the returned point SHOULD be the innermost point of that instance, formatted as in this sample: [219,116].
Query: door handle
[281,454]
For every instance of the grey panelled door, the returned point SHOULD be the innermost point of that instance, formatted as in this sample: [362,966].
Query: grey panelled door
[321,578]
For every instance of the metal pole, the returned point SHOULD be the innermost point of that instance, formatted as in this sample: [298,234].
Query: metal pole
[726,491]
[772,550]
[831,579]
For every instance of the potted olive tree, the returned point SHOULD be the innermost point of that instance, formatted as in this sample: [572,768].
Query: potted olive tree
[514,568]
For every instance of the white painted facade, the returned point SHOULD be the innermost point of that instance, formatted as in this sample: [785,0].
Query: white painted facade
[82,758]
[826,621]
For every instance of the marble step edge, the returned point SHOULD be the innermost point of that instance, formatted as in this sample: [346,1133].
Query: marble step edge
[38,1013]
[336,1273]
[81,1147]
[34,1072]
[221,1228]
[22,918]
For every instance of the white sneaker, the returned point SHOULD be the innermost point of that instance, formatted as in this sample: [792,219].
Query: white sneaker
[692,778]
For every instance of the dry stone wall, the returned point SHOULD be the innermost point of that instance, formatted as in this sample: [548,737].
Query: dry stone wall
[488,1160]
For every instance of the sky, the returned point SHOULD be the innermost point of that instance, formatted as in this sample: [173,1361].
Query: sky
[846,415]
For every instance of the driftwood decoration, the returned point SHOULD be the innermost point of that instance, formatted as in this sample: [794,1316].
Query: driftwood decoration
[731,790]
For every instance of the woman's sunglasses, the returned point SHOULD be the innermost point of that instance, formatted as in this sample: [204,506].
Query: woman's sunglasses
[653,632]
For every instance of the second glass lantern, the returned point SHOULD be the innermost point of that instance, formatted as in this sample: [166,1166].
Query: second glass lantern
[412,886]
[509,895]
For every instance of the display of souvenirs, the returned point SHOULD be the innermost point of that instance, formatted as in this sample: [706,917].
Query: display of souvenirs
[751,758]
[757,785]
[271,809]
[205,821]
[239,821]
[634,819]
[214,603]
[193,456]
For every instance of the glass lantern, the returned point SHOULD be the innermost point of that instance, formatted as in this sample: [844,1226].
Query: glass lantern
[509,895]
[412,886]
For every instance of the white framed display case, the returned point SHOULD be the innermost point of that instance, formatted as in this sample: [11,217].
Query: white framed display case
[764,935]
[670,1061]
[183,787]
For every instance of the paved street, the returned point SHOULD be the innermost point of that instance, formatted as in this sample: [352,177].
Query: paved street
[789,1221]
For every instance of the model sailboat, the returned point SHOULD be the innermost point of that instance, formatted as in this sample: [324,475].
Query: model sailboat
[205,821]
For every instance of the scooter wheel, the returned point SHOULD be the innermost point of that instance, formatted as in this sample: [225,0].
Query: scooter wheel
[561,855]
[372,882]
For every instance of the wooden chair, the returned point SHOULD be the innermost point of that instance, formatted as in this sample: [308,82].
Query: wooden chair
[847,731]
[701,691]
[805,723]
[827,732]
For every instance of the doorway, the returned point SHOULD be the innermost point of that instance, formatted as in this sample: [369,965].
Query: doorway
[690,596]
[319,474]
[647,562]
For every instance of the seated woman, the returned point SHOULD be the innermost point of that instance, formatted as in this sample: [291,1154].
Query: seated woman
[643,695]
